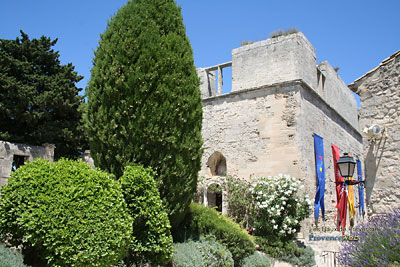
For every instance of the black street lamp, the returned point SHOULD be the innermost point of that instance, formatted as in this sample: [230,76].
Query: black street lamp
[346,165]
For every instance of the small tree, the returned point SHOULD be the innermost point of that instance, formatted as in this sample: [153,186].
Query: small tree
[144,103]
[152,240]
[39,101]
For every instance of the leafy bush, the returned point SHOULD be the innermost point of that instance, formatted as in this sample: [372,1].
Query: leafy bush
[65,213]
[151,229]
[144,102]
[205,221]
[278,208]
[292,252]
[240,200]
[206,252]
[378,243]
[256,260]
[9,258]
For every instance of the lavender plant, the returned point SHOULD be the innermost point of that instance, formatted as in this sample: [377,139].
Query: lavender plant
[378,243]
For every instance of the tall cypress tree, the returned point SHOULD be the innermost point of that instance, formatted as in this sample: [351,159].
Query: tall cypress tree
[39,101]
[144,104]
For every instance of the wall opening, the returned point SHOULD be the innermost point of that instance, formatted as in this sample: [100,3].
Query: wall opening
[214,196]
[321,82]
[18,161]
[216,75]
[217,164]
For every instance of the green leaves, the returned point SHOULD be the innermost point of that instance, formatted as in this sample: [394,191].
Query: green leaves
[207,221]
[38,98]
[144,103]
[69,214]
[151,227]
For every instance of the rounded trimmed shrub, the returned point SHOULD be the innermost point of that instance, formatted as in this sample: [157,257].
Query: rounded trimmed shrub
[65,214]
[206,252]
[151,228]
[256,260]
[9,258]
[187,254]
[205,221]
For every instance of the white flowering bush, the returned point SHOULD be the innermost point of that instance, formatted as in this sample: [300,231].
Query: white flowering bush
[279,208]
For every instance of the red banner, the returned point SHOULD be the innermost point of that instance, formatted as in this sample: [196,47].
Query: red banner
[341,191]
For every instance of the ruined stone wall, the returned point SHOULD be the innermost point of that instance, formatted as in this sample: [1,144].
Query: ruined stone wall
[274,60]
[254,130]
[8,150]
[336,93]
[379,94]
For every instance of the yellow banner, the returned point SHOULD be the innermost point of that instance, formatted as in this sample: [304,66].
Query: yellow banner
[351,200]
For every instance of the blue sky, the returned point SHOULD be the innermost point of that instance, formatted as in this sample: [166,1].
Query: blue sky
[352,35]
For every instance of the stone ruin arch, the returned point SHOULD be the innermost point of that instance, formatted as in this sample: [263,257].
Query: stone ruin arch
[217,164]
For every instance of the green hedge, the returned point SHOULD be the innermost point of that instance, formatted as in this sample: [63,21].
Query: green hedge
[151,228]
[67,214]
[204,221]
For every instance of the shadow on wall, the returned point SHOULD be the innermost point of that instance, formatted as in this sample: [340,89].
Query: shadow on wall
[372,162]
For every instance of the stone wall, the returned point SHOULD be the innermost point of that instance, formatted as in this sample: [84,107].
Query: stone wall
[253,130]
[379,92]
[336,93]
[8,150]
[265,126]
[272,61]
[317,116]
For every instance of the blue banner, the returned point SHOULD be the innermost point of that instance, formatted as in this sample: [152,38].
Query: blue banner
[320,169]
[360,189]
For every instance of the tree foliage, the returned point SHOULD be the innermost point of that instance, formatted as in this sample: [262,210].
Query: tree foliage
[144,103]
[65,214]
[39,100]
[152,240]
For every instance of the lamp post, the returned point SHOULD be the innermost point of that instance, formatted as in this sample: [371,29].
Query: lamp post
[346,165]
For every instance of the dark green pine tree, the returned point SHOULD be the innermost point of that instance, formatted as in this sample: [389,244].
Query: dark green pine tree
[39,101]
[144,104]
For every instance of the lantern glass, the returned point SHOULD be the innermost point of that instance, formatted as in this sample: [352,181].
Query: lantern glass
[346,165]
[344,169]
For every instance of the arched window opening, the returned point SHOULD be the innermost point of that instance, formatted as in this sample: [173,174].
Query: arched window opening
[217,164]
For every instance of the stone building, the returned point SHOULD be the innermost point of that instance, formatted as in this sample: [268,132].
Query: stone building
[14,155]
[265,125]
[379,92]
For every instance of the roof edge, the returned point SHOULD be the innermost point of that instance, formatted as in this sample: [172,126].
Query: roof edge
[354,85]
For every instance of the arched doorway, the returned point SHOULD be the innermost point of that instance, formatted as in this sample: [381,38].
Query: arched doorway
[214,196]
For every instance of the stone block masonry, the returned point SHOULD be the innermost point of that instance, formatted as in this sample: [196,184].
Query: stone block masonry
[379,92]
[13,155]
[265,125]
